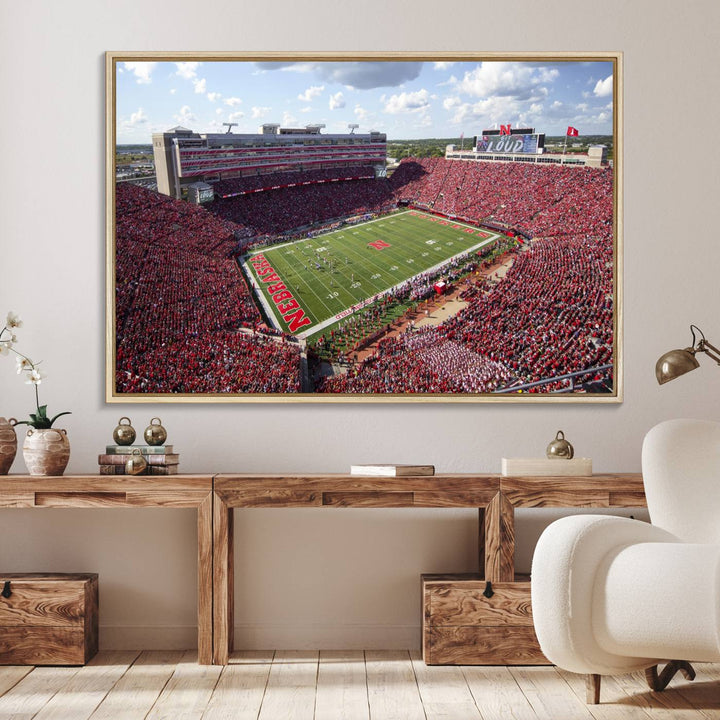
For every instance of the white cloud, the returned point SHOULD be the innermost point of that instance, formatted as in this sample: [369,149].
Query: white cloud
[173,91]
[408,102]
[141,70]
[337,101]
[234,117]
[259,112]
[218,111]
[361,114]
[312,92]
[213,96]
[443,65]
[200,86]
[185,115]
[187,70]
[488,112]
[288,119]
[139,117]
[306,109]
[509,79]
[232,101]
[603,88]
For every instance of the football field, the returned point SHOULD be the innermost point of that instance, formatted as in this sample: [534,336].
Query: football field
[307,285]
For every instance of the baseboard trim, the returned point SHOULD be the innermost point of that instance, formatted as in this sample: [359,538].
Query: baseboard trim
[150,637]
[254,636]
[326,637]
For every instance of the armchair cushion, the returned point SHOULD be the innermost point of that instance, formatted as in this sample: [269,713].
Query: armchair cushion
[659,600]
[567,559]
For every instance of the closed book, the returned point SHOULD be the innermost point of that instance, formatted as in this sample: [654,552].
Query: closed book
[144,449]
[392,470]
[112,469]
[110,459]
[547,467]
[162,470]
[149,470]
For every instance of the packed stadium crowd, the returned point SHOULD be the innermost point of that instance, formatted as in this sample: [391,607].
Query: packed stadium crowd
[289,208]
[551,315]
[181,299]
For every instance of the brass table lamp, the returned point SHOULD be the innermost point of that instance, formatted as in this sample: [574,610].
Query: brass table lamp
[677,362]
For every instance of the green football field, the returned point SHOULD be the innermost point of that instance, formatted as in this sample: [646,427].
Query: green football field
[307,285]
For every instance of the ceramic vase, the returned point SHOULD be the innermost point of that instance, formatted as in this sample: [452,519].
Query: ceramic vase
[46,451]
[8,445]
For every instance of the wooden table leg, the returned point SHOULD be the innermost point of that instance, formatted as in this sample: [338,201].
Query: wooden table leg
[205,580]
[499,518]
[223,581]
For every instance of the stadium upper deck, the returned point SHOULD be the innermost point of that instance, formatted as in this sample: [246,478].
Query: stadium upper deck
[183,157]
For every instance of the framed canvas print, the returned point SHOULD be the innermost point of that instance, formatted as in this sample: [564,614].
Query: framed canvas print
[367,227]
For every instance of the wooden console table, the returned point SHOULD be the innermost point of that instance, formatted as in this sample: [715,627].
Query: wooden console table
[92,491]
[215,498]
[495,497]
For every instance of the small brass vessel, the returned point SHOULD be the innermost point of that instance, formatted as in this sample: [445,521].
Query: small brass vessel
[155,433]
[136,463]
[560,448]
[124,433]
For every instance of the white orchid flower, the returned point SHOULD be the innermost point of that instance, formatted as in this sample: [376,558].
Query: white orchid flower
[23,364]
[5,346]
[35,377]
[13,320]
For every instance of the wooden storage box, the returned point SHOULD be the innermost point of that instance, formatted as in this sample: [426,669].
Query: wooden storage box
[48,618]
[461,626]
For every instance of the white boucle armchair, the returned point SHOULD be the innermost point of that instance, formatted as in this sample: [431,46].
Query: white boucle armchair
[613,595]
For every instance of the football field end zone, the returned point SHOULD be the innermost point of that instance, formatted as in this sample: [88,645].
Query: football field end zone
[258,269]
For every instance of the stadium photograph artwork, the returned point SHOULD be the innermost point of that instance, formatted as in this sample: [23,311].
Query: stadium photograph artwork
[368,227]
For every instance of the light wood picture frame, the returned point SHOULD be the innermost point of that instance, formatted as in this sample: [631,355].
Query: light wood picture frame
[366,227]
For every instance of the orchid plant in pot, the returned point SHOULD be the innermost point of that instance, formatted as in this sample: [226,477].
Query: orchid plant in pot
[46,449]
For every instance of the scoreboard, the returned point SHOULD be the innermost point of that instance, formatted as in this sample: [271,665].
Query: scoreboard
[531,143]
[509,140]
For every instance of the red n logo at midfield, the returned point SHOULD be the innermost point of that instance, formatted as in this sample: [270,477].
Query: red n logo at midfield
[379,244]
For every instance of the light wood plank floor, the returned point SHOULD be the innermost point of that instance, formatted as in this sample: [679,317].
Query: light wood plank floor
[350,685]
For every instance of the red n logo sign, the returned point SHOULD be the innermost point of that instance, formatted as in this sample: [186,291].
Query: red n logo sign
[505,129]
[379,244]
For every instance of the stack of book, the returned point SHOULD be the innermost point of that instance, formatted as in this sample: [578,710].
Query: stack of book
[160,459]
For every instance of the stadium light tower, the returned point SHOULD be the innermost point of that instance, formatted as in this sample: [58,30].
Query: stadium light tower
[229,127]
[353,127]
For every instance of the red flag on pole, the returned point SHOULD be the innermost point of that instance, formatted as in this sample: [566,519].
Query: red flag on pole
[572,132]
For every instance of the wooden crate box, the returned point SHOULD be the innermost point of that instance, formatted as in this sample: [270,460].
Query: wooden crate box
[48,618]
[461,626]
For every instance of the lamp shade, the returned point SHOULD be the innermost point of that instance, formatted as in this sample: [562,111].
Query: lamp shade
[675,363]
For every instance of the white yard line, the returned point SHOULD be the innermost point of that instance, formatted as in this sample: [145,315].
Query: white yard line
[360,304]
[364,303]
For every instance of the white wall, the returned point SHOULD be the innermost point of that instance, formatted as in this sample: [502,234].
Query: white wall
[335,578]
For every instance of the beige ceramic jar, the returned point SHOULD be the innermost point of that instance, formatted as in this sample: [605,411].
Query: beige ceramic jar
[8,444]
[46,451]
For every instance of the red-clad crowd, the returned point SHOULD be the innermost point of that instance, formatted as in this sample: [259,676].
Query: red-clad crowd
[182,304]
[180,300]
[285,209]
[553,312]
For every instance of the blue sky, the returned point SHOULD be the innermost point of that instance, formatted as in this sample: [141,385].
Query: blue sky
[404,99]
